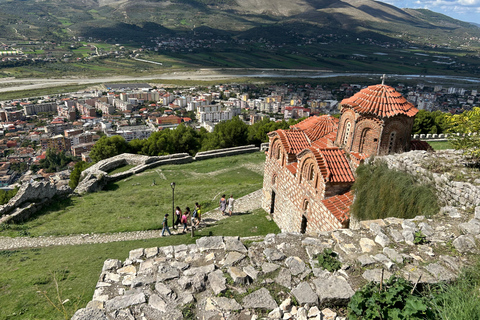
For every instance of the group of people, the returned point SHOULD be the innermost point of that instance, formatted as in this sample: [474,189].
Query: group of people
[182,219]
[226,205]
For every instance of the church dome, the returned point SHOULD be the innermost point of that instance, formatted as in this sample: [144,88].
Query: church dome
[379,100]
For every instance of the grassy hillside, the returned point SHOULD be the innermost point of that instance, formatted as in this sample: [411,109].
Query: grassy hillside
[134,204]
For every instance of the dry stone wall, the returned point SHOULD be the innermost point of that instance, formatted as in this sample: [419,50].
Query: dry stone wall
[229,278]
[30,198]
[450,193]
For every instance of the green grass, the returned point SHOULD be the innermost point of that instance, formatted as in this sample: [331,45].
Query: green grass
[440,145]
[381,192]
[134,204]
[24,272]
[121,169]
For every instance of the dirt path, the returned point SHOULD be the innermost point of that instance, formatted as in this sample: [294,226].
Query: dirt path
[246,203]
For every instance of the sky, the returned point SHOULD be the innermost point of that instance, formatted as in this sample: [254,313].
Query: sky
[465,10]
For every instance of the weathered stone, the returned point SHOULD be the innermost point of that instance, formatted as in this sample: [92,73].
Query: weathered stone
[234,244]
[393,255]
[286,304]
[89,314]
[301,314]
[440,273]
[452,212]
[111,277]
[204,269]
[110,264]
[477,212]
[166,272]
[146,267]
[198,283]
[451,262]
[182,266]
[210,243]
[127,270]
[375,228]
[276,313]
[295,264]
[222,303]
[367,244]
[382,240]
[238,276]
[333,289]
[273,255]
[126,301]
[471,227]
[426,229]
[94,304]
[464,244]
[136,254]
[251,272]
[284,278]
[313,312]
[165,291]
[233,258]
[409,225]
[304,294]
[157,303]
[366,260]
[260,299]
[217,281]
[269,267]
[375,275]
[409,236]
[396,235]
[383,259]
[328,314]
[151,252]
[141,281]
[185,282]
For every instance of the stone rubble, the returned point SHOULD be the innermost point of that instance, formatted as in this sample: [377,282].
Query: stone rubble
[279,277]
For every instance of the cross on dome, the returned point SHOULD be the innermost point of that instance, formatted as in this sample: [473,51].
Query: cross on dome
[383,78]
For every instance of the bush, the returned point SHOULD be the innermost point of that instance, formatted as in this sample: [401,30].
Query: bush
[393,301]
[381,192]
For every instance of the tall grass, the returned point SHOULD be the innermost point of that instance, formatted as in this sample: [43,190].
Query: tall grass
[381,192]
[461,299]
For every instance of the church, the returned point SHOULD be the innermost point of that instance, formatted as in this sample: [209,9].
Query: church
[310,168]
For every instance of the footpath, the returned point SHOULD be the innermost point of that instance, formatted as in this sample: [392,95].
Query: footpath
[246,203]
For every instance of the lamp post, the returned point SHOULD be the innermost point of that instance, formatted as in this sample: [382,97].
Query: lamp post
[173,203]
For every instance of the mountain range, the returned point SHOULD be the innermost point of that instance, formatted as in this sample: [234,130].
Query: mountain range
[284,20]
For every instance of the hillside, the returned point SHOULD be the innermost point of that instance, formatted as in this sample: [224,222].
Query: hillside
[131,20]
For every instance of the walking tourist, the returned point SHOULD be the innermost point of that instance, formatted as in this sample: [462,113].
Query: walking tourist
[223,205]
[184,219]
[230,202]
[165,225]
[197,215]
[178,217]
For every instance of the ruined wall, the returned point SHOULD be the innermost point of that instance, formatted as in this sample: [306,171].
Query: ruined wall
[30,198]
[225,152]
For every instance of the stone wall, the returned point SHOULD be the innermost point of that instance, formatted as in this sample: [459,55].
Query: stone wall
[265,276]
[30,198]
[96,177]
[225,152]
[449,192]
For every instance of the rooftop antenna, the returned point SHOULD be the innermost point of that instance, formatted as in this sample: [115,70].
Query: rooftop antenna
[383,78]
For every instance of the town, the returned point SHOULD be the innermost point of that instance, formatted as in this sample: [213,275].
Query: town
[71,124]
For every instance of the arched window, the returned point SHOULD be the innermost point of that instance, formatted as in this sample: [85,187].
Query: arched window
[311,173]
[346,133]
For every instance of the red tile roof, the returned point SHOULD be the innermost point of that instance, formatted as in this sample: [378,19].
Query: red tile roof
[293,141]
[337,165]
[339,205]
[317,127]
[380,100]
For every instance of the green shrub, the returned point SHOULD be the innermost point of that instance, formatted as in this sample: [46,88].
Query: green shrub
[381,192]
[393,301]
[419,238]
[328,260]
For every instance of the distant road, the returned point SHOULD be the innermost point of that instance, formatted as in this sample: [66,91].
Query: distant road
[148,61]
[12,84]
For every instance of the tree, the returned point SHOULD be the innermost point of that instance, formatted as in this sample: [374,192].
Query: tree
[76,173]
[55,161]
[467,125]
[108,147]
[227,134]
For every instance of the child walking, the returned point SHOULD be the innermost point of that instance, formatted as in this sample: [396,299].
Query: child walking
[165,225]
